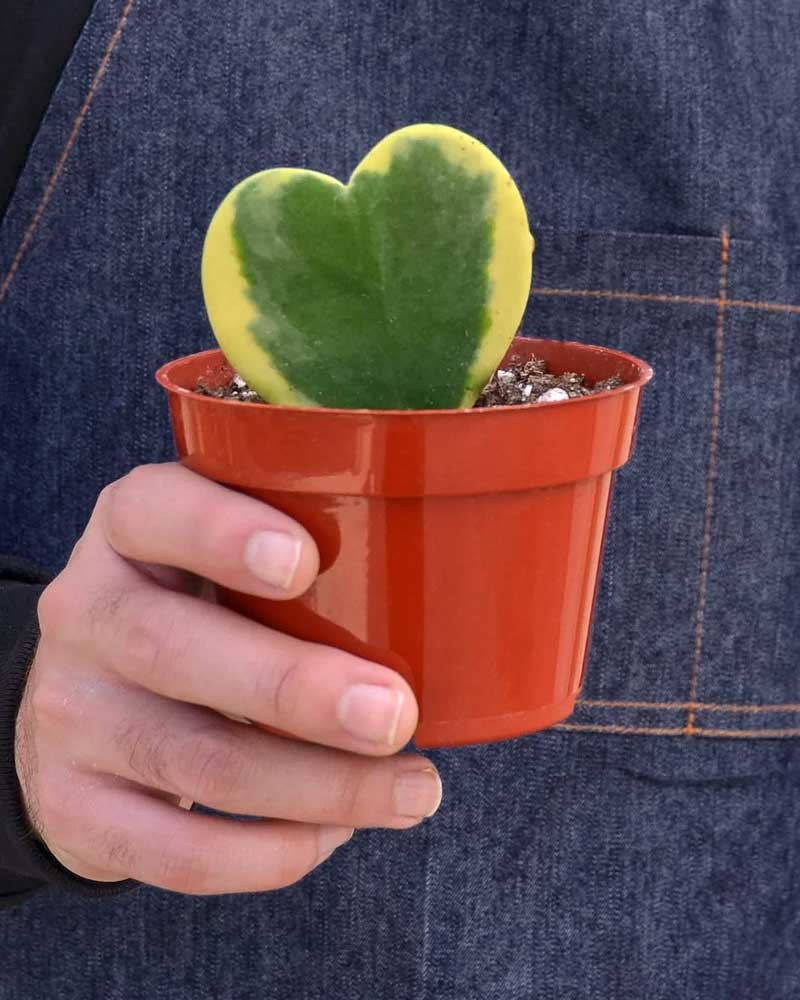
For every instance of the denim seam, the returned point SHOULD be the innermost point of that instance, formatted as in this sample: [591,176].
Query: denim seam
[61,162]
[588,719]
[691,300]
[711,481]
[697,731]
[677,706]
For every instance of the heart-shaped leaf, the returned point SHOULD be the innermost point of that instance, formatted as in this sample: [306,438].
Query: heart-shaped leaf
[400,290]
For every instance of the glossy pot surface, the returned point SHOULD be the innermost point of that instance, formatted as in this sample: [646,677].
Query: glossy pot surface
[459,547]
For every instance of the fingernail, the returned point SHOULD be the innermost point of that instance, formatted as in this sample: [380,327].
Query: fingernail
[331,837]
[371,712]
[273,556]
[417,794]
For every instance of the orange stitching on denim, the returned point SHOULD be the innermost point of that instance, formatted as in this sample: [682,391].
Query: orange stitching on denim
[55,176]
[745,734]
[598,293]
[711,478]
[676,706]
[692,300]
[748,734]
[768,306]
[579,727]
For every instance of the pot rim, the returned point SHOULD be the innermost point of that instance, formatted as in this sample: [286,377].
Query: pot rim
[163,378]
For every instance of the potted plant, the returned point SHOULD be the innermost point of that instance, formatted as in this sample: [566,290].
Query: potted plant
[459,545]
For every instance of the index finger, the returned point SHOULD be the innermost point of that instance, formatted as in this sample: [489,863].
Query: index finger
[167,515]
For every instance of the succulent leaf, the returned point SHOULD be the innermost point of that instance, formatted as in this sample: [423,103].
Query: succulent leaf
[399,290]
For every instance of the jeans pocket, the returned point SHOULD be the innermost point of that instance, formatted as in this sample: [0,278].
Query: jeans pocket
[697,628]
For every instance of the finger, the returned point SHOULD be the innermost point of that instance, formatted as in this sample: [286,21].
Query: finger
[131,834]
[193,753]
[167,515]
[94,559]
[190,651]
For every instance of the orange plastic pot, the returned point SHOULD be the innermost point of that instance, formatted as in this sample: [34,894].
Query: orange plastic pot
[460,547]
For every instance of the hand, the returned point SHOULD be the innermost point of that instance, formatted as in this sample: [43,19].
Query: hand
[122,715]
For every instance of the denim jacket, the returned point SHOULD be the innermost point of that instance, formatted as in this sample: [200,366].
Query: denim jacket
[648,846]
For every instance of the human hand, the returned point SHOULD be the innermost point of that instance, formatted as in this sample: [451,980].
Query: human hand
[121,716]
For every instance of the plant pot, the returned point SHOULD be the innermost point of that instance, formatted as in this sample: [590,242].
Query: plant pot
[459,547]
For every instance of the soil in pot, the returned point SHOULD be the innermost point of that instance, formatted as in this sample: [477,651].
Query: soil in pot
[519,381]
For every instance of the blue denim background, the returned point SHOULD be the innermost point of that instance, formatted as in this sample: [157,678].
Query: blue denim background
[649,847]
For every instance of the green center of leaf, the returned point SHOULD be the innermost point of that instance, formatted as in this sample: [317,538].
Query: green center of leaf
[374,294]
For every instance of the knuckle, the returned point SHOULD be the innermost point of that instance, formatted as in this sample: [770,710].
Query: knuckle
[106,605]
[121,502]
[135,481]
[349,794]
[216,765]
[105,495]
[278,688]
[55,805]
[48,701]
[148,637]
[182,868]
[56,607]
[117,853]
[143,647]
[147,751]
[76,548]
[106,499]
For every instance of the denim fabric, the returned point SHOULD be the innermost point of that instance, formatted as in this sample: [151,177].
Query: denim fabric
[560,866]
[649,847]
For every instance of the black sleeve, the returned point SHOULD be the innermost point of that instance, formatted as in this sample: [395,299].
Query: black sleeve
[36,40]
[25,863]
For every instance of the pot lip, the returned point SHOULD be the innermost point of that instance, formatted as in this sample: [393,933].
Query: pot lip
[162,376]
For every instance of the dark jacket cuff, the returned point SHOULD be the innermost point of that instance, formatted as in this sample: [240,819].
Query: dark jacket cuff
[25,863]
